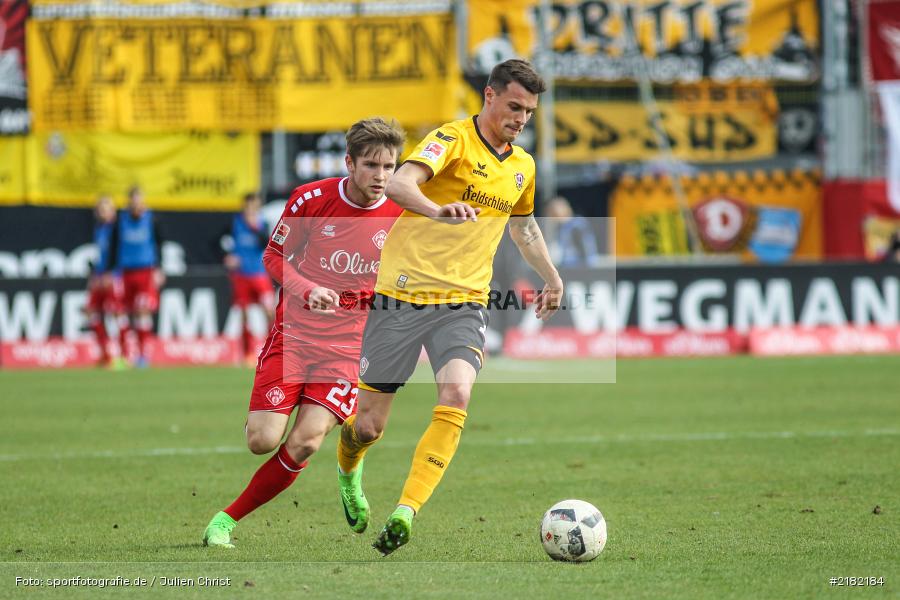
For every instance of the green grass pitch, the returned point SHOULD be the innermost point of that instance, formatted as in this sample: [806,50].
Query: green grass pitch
[719,478]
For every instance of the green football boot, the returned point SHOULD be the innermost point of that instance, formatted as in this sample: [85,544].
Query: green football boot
[218,532]
[356,507]
[396,531]
[118,364]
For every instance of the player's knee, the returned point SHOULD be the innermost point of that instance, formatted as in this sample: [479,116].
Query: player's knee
[367,430]
[456,395]
[262,442]
[301,448]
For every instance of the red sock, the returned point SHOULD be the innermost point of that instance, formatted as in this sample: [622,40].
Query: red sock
[275,476]
[124,326]
[142,335]
[144,328]
[99,329]
[246,339]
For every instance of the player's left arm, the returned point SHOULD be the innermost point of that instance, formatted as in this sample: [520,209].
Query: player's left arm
[112,261]
[526,233]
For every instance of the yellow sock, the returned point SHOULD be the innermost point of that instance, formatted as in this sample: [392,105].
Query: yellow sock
[433,454]
[349,449]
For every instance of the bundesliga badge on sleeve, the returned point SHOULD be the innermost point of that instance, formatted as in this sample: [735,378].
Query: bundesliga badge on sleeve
[281,232]
[432,151]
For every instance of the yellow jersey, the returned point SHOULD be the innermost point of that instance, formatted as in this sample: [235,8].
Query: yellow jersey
[427,262]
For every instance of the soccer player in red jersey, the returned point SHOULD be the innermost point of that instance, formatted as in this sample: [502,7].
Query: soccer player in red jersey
[135,250]
[245,240]
[324,253]
[104,284]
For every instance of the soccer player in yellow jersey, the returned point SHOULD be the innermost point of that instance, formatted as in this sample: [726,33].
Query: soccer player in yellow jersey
[466,181]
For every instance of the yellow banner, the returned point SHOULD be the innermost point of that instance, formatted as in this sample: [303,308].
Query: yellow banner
[703,124]
[250,74]
[178,171]
[308,8]
[763,217]
[12,169]
[683,40]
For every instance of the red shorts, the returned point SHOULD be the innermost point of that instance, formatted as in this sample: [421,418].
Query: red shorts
[104,294]
[290,372]
[140,291]
[252,289]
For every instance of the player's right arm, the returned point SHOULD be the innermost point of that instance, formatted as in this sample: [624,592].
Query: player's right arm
[159,276]
[223,247]
[403,188]
[289,237]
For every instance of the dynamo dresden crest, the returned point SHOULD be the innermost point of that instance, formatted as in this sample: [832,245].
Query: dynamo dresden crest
[520,181]
[724,224]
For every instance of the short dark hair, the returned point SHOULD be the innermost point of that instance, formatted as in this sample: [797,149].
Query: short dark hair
[134,190]
[517,70]
[374,133]
[251,196]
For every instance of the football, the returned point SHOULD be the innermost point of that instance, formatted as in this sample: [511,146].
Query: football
[573,530]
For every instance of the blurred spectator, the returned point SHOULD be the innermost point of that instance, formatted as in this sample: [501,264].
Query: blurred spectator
[571,239]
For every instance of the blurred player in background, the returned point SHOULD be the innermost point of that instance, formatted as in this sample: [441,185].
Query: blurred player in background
[324,252]
[244,241]
[135,250]
[425,262]
[570,237]
[104,284]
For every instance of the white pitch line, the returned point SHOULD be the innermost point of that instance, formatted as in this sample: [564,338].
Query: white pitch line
[593,439]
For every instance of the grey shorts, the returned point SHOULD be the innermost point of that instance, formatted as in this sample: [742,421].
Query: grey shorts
[396,331]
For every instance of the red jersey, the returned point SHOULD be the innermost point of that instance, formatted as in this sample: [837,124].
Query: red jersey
[325,240]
